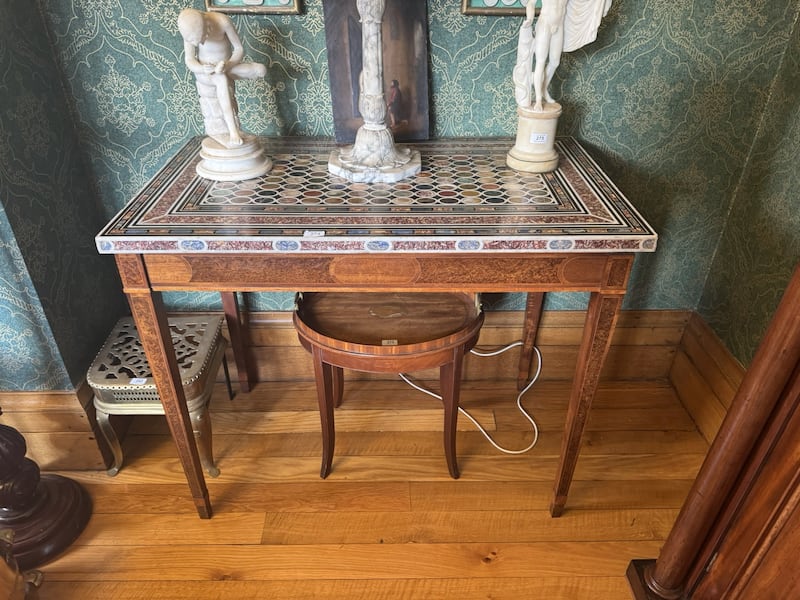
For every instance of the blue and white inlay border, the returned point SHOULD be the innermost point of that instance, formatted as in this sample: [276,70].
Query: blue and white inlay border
[465,199]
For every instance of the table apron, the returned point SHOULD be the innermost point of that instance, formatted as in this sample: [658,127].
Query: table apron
[606,273]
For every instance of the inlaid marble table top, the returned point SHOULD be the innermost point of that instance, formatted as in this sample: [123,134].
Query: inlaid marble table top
[465,200]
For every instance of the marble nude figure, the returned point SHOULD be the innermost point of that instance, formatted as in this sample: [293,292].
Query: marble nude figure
[562,26]
[214,52]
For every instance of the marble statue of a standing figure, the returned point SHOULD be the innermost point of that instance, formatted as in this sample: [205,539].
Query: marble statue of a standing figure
[214,52]
[562,26]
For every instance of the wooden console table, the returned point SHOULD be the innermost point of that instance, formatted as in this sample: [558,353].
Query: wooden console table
[466,222]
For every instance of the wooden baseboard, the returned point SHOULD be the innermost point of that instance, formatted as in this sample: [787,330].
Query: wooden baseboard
[60,428]
[643,346]
[705,376]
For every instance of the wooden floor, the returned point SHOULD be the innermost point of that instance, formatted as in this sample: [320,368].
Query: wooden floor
[388,523]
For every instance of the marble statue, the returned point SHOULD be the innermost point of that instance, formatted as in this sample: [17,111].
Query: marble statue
[214,53]
[523,74]
[562,26]
[373,157]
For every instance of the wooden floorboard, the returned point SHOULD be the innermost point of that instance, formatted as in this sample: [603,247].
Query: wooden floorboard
[388,523]
[551,588]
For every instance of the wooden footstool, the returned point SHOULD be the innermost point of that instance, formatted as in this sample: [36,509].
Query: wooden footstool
[123,385]
[387,333]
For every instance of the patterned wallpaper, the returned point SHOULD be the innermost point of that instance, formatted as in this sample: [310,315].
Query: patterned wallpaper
[761,246]
[59,298]
[29,356]
[669,100]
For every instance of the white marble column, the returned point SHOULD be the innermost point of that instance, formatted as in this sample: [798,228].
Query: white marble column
[373,157]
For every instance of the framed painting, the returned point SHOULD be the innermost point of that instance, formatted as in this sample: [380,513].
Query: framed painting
[497,7]
[404,34]
[255,6]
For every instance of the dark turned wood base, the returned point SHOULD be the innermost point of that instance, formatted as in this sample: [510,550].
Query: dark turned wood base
[638,582]
[46,513]
[58,514]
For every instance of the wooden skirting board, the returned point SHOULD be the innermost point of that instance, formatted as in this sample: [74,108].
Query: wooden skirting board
[59,427]
[643,346]
[705,376]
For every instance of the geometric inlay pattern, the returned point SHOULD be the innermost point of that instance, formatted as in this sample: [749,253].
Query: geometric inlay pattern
[464,199]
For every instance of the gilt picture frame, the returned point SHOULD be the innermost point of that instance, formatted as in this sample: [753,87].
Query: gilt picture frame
[497,7]
[266,7]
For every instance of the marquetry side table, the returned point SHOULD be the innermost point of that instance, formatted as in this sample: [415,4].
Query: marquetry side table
[467,222]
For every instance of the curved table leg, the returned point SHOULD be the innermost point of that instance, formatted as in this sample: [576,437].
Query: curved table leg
[325,376]
[450,388]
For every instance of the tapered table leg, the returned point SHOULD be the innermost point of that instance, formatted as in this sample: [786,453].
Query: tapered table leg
[151,322]
[601,318]
[533,314]
[236,331]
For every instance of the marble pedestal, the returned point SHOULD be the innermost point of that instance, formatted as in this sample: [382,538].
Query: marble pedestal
[235,163]
[341,163]
[373,158]
[533,151]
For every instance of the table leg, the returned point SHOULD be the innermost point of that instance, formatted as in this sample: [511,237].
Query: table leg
[151,322]
[533,313]
[601,318]
[236,332]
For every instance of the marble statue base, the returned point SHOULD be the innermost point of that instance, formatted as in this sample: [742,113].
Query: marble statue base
[533,151]
[233,163]
[340,164]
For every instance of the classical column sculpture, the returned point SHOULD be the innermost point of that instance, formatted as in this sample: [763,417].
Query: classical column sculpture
[214,52]
[562,26]
[373,157]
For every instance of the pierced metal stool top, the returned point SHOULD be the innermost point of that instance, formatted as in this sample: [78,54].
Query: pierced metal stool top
[121,373]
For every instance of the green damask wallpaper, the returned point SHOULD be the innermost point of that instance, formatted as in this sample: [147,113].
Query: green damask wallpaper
[761,245]
[686,105]
[29,353]
[58,298]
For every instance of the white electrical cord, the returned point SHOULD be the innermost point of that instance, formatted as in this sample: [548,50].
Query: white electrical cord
[525,413]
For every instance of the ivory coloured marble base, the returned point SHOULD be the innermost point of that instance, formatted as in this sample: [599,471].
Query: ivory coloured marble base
[237,163]
[359,173]
[533,151]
